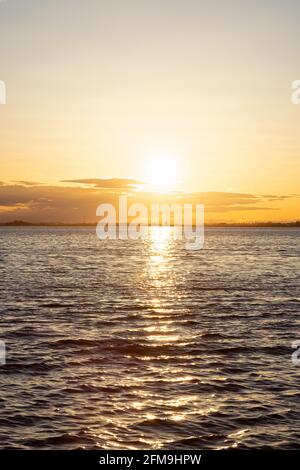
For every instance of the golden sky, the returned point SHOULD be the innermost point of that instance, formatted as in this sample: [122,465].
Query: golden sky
[102,89]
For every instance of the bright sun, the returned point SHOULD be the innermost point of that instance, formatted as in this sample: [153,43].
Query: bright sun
[161,172]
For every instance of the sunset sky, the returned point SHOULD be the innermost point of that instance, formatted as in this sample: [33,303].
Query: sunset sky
[101,88]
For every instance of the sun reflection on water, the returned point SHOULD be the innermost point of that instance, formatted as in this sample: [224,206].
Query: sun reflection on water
[160,282]
[164,331]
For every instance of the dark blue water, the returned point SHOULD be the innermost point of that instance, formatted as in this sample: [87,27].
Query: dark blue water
[131,344]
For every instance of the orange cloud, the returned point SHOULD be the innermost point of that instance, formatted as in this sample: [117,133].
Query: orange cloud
[37,202]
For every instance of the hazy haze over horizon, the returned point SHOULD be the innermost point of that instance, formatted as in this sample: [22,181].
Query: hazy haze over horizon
[96,89]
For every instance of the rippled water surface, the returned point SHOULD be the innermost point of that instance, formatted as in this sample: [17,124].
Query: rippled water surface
[126,344]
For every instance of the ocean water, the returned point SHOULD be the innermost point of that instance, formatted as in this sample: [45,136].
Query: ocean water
[144,345]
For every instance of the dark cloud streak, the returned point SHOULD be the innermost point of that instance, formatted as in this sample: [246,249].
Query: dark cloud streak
[72,204]
[112,183]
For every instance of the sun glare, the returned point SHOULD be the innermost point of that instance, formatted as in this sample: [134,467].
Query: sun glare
[161,172]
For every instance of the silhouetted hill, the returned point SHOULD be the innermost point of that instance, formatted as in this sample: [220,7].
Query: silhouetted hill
[22,223]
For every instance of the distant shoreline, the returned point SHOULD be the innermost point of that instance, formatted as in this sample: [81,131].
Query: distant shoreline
[21,223]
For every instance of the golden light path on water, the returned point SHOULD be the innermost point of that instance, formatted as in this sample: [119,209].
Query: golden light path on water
[162,330]
[169,366]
